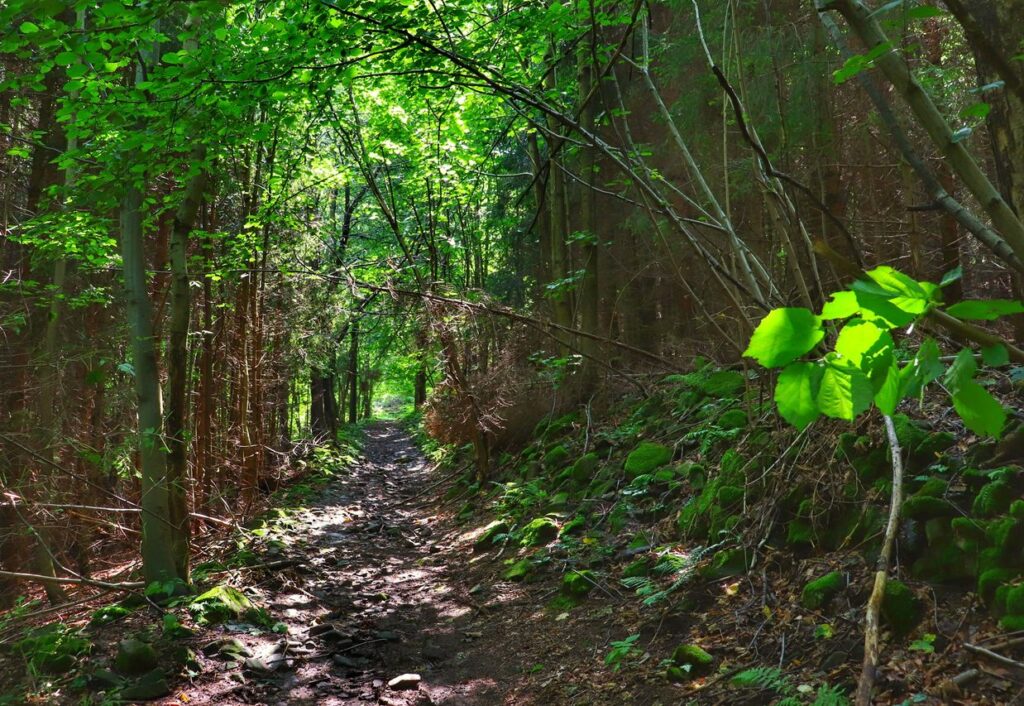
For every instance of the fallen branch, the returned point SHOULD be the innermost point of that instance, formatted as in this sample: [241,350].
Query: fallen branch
[82,581]
[874,608]
[994,656]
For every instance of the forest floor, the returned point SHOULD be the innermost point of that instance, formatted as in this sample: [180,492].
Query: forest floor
[384,583]
[375,576]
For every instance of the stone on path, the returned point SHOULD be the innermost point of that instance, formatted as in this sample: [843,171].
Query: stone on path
[404,681]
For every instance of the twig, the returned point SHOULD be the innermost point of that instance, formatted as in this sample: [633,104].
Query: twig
[994,656]
[871,615]
[127,586]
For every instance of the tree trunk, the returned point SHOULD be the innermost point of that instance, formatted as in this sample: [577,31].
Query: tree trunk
[158,536]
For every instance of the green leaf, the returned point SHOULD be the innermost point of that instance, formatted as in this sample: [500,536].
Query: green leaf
[879,309]
[952,276]
[985,309]
[28,28]
[842,305]
[860,341]
[784,335]
[922,12]
[890,391]
[980,411]
[844,392]
[978,110]
[795,393]
[995,355]
[904,292]
[894,281]
[927,361]
[961,371]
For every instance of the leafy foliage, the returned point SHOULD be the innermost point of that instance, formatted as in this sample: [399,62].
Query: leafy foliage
[864,367]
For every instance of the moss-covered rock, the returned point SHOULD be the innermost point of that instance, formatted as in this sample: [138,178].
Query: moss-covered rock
[519,571]
[799,532]
[922,446]
[967,530]
[734,418]
[151,685]
[489,533]
[721,383]
[994,498]
[135,657]
[573,526]
[990,581]
[730,495]
[945,562]
[1012,623]
[600,487]
[998,605]
[1015,601]
[901,609]
[694,659]
[638,567]
[1017,509]
[934,487]
[221,603]
[556,457]
[1006,534]
[578,583]
[927,507]
[727,563]
[549,428]
[646,458]
[539,532]
[558,501]
[585,467]
[693,472]
[732,465]
[819,592]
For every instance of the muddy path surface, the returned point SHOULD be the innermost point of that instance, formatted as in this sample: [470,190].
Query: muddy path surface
[369,592]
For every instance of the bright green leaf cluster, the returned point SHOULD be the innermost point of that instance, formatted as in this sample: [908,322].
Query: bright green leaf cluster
[862,368]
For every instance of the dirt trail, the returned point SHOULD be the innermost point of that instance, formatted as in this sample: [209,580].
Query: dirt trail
[370,597]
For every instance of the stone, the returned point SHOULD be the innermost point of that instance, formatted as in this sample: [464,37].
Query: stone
[556,457]
[103,679]
[578,583]
[989,582]
[539,532]
[219,604]
[646,458]
[901,609]
[405,681]
[584,468]
[135,657]
[152,685]
[321,629]
[992,499]
[818,593]
[732,419]
[695,657]
[519,570]
[926,507]
[490,532]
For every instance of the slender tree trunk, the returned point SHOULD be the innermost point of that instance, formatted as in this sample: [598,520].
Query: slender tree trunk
[353,370]
[158,536]
[177,366]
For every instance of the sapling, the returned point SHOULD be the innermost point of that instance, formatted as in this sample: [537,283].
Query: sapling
[864,368]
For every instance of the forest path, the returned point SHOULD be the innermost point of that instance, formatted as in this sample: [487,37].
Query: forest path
[372,595]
